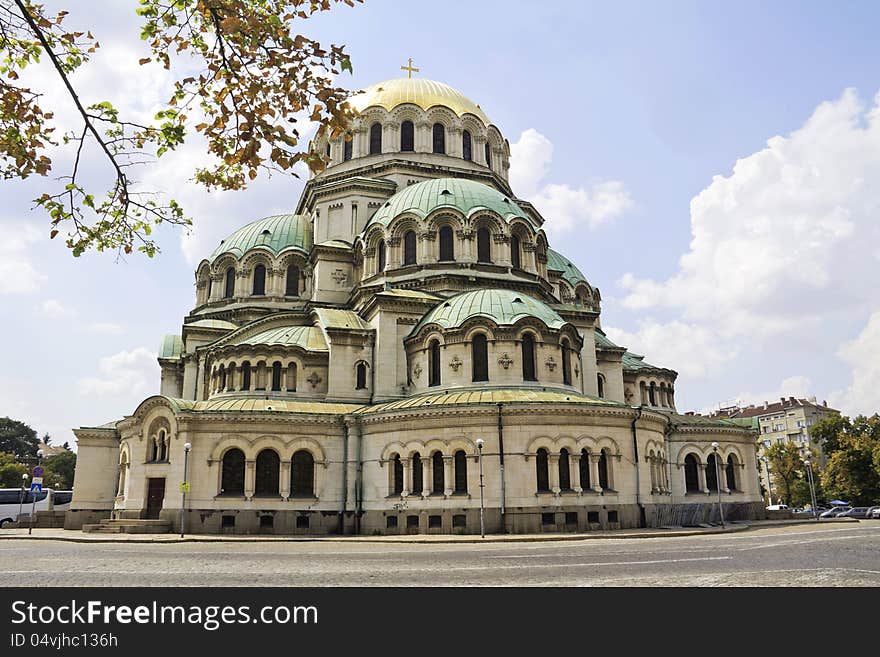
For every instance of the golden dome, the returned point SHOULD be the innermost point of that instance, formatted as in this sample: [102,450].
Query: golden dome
[419,91]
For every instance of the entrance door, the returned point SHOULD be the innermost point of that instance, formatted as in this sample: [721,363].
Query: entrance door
[155,497]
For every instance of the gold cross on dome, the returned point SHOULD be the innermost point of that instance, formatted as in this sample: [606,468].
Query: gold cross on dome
[409,68]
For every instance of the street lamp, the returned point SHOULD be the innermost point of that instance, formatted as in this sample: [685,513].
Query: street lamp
[24,478]
[769,483]
[480,443]
[34,495]
[718,483]
[812,489]
[184,485]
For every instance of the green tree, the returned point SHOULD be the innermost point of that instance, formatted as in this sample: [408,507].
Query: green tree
[18,439]
[59,470]
[10,471]
[254,74]
[852,472]
[827,429]
[46,439]
[788,471]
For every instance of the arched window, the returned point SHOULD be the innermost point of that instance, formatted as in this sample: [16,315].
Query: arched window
[600,381]
[730,471]
[361,376]
[603,470]
[711,474]
[691,474]
[276,376]
[488,155]
[584,470]
[407,136]
[376,139]
[439,138]
[484,253]
[566,363]
[439,478]
[229,290]
[528,357]
[291,377]
[652,396]
[222,378]
[397,482]
[409,248]
[327,151]
[302,474]
[210,288]
[514,252]
[447,245]
[466,146]
[259,288]
[434,363]
[163,446]
[380,253]
[232,476]
[291,288]
[417,473]
[460,472]
[246,375]
[564,471]
[542,470]
[480,358]
[347,144]
[267,473]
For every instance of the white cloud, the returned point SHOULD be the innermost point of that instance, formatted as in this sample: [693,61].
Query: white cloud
[133,373]
[564,207]
[692,350]
[54,309]
[108,328]
[798,386]
[789,239]
[18,274]
[862,354]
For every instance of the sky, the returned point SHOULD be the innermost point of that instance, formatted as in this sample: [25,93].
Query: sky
[711,167]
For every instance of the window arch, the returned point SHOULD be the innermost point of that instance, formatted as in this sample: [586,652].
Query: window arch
[222,379]
[439,475]
[466,146]
[603,470]
[566,362]
[439,138]
[276,376]
[434,363]
[292,282]
[691,474]
[447,244]
[347,145]
[479,358]
[564,471]
[711,474]
[376,139]
[397,475]
[484,252]
[528,357]
[380,253]
[542,470]
[302,474]
[291,378]
[232,475]
[515,261]
[229,289]
[488,155]
[163,445]
[361,376]
[246,375]
[652,393]
[268,470]
[417,479]
[584,470]
[409,247]
[730,472]
[407,136]
[259,287]
[327,151]
[461,484]
[600,382]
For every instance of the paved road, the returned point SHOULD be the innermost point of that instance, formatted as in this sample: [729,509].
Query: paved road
[800,555]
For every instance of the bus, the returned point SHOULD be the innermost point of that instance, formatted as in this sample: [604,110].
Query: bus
[13,499]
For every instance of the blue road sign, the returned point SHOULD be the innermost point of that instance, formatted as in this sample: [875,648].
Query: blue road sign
[37,471]
[36,488]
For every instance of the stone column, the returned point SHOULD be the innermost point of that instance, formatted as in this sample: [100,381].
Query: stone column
[423,137]
[594,473]
[479,149]
[426,479]
[448,471]
[284,484]
[701,473]
[574,472]
[390,137]
[406,476]
[553,466]
[250,476]
[217,283]
[453,142]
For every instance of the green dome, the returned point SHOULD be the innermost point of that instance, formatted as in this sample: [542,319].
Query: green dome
[570,273]
[276,233]
[466,196]
[309,338]
[504,307]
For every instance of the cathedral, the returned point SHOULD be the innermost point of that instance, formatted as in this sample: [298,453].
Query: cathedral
[404,353]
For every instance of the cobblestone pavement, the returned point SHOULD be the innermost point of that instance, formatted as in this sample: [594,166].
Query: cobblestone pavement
[797,555]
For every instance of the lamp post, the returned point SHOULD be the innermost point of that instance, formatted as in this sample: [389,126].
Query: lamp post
[480,443]
[769,483]
[34,494]
[718,483]
[24,478]
[812,489]
[184,485]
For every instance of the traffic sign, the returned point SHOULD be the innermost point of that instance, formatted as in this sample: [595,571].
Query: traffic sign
[37,480]
[36,488]
[37,471]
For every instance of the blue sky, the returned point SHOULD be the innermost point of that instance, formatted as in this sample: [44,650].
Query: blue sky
[752,126]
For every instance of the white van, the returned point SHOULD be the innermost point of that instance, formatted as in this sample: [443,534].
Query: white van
[778,507]
[13,499]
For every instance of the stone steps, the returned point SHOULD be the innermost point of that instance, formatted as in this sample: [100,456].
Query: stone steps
[128,526]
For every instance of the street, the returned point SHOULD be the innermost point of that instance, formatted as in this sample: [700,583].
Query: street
[797,555]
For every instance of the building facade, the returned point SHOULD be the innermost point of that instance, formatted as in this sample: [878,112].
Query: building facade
[348,367]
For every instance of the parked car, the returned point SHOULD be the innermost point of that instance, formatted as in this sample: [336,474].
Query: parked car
[855,512]
[778,507]
[833,513]
[875,513]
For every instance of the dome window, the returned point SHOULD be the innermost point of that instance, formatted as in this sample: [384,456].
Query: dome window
[267,232]
[446,192]
[517,300]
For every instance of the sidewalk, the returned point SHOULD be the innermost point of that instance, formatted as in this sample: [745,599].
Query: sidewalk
[663,532]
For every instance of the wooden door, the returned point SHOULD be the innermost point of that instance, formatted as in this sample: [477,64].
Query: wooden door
[155,497]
